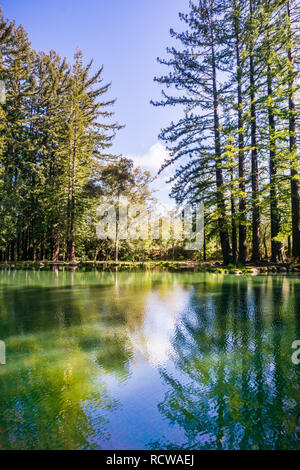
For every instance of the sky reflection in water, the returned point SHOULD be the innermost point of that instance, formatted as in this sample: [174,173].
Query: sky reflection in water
[148,360]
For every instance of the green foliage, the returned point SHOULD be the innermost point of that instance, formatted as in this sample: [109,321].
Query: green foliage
[55,130]
[234,73]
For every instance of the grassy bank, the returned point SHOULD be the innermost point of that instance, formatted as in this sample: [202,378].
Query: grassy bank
[212,266]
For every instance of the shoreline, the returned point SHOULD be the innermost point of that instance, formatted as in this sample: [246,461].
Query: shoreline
[209,266]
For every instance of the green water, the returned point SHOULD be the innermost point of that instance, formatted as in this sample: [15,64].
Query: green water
[149,361]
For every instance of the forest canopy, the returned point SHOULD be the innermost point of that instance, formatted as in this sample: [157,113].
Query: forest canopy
[235,73]
[235,149]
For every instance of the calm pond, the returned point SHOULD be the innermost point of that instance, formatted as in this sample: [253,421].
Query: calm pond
[149,360]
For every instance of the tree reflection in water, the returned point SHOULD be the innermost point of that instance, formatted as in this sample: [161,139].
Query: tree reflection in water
[50,395]
[234,385]
[91,357]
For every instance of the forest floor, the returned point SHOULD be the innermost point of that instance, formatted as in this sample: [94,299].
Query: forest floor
[195,265]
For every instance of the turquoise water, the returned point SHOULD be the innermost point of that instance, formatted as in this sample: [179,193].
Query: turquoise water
[149,360]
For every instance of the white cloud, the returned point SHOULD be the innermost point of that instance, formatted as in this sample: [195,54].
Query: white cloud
[153,159]
[154,338]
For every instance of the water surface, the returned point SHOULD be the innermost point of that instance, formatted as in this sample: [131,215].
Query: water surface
[149,360]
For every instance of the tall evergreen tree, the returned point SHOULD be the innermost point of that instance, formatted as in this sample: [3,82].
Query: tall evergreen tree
[52,85]
[251,32]
[16,157]
[292,18]
[270,68]
[197,134]
[236,18]
[86,139]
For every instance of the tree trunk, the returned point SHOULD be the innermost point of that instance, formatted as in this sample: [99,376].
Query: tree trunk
[18,247]
[12,251]
[71,204]
[233,224]
[117,243]
[276,246]
[34,256]
[42,251]
[293,152]
[256,243]
[243,249]
[265,244]
[204,245]
[56,247]
[224,237]
[71,245]
[289,253]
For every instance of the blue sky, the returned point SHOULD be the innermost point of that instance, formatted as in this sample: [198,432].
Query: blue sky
[126,36]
